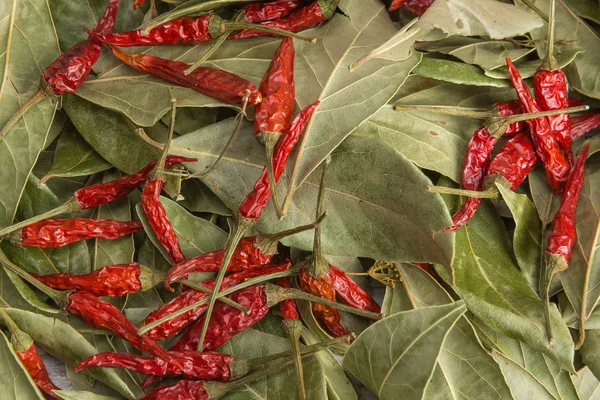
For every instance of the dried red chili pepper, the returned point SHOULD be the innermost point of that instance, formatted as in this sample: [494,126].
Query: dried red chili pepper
[563,238]
[259,12]
[287,307]
[515,160]
[323,287]
[101,314]
[350,292]
[176,325]
[98,194]
[584,123]
[273,115]
[27,352]
[53,232]
[70,69]
[416,6]
[251,252]
[216,83]
[298,20]
[112,280]
[546,146]
[256,201]
[551,91]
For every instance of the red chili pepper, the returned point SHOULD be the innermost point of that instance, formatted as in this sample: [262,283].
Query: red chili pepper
[416,6]
[350,292]
[475,166]
[101,314]
[584,123]
[102,193]
[427,268]
[216,83]
[546,146]
[246,256]
[515,160]
[53,232]
[177,324]
[196,365]
[34,365]
[508,108]
[182,390]
[298,20]
[112,280]
[259,12]
[256,201]
[287,307]
[564,234]
[159,221]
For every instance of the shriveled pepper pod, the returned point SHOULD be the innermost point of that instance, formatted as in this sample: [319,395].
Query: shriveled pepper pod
[101,193]
[25,349]
[53,232]
[583,124]
[255,202]
[563,238]
[251,252]
[70,69]
[111,280]
[270,10]
[418,7]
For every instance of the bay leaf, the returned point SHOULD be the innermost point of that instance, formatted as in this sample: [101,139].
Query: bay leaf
[587,385]
[15,381]
[457,72]
[82,395]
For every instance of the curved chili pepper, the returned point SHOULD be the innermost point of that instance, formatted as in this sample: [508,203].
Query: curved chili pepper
[246,256]
[256,201]
[350,292]
[158,220]
[182,390]
[53,232]
[584,123]
[259,12]
[101,314]
[515,160]
[323,287]
[546,146]
[177,324]
[196,365]
[216,83]
[298,20]
[563,235]
[112,280]
[102,193]
[475,166]
[34,365]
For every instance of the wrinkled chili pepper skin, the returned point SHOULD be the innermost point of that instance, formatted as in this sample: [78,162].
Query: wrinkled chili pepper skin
[196,365]
[274,113]
[112,280]
[69,71]
[298,20]
[177,324]
[564,233]
[508,108]
[226,321]
[101,314]
[34,365]
[102,193]
[182,390]
[259,12]
[159,221]
[515,160]
[584,123]
[475,166]
[246,255]
[54,232]
[182,31]
[288,306]
[256,201]
[546,146]
[551,92]
[216,83]
[324,287]
[418,7]
[350,292]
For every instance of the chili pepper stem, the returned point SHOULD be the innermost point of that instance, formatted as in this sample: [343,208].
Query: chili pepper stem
[234,26]
[206,290]
[550,61]
[276,294]
[268,243]
[293,329]
[240,119]
[552,265]
[490,193]
[150,277]
[318,265]
[234,239]
[536,9]
[59,297]
[270,139]
[253,281]
[70,206]
[38,96]
[159,169]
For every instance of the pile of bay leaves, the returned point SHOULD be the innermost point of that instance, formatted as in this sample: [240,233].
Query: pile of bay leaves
[479,335]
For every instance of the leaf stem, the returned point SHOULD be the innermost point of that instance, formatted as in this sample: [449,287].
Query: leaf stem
[206,290]
[491,193]
[235,26]
[38,96]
